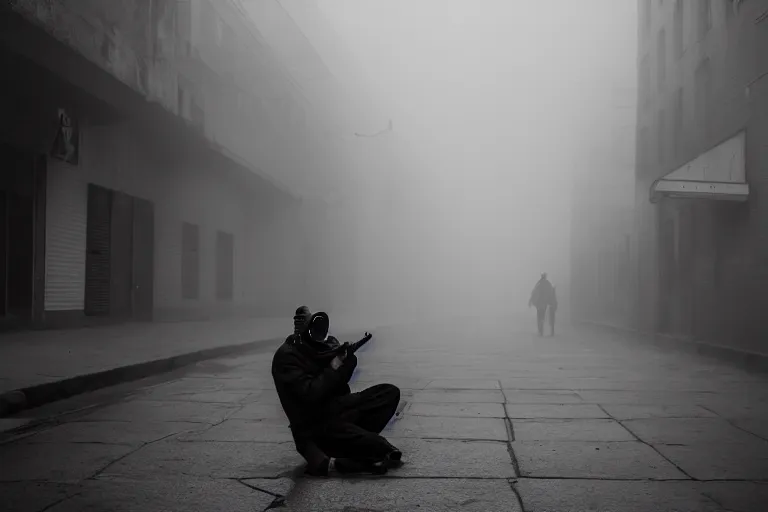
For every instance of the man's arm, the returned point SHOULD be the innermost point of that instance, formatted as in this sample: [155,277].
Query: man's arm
[314,388]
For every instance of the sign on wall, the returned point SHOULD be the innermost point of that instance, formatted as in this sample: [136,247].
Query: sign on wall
[66,145]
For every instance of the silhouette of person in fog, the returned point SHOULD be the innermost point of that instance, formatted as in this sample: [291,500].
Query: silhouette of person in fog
[543,297]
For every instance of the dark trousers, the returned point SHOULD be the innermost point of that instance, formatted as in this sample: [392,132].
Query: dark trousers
[541,313]
[356,423]
[552,319]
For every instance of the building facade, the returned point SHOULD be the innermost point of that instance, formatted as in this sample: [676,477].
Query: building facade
[155,162]
[602,242]
[701,190]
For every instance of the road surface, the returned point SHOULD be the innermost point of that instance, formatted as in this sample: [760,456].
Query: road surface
[494,419]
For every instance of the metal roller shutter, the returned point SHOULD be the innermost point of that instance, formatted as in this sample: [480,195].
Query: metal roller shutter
[98,257]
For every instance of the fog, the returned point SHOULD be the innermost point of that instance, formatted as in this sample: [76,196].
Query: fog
[497,108]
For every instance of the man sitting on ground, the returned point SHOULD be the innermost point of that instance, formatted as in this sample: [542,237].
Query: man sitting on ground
[332,427]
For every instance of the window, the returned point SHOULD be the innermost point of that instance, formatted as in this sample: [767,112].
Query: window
[678,121]
[705,16]
[661,132]
[645,80]
[225,263]
[183,27]
[703,81]
[190,261]
[661,59]
[678,29]
[647,14]
[642,147]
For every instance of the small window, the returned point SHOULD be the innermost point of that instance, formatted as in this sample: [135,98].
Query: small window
[661,59]
[190,261]
[705,17]
[678,121]
[703,79]
[678,29]
[662,136]
[225,265]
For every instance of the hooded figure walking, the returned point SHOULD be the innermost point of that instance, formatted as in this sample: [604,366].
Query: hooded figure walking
[542,297]
[332,427]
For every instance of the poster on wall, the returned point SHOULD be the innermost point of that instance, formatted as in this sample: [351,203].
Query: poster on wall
[66,145]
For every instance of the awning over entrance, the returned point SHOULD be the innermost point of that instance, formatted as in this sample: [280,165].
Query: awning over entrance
[719,174]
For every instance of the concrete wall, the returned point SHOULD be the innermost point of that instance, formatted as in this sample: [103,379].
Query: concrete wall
[203,61]
[190,189]
[715,291]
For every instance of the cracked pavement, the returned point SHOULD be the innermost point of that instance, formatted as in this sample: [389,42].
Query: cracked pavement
[492,420]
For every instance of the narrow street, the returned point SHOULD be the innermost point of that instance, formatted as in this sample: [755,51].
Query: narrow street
[493,420]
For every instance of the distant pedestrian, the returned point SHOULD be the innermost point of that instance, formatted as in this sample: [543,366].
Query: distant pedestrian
[543,297]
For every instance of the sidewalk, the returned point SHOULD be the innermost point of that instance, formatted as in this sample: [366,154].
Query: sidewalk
[40,359]
[50,365]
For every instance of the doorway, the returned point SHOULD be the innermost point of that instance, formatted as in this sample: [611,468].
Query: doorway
[20,300]
[119,276]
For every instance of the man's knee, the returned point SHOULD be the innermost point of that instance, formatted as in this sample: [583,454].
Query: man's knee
[389,392]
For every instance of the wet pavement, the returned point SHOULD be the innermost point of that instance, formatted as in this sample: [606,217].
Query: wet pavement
[493,420]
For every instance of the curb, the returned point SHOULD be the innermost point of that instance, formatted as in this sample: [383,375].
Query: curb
[12,402]
[750,361]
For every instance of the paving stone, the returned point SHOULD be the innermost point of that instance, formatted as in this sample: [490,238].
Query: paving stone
[745,461]
[220,397]
[737,496]
[365,494]
[181,494]
[260,411]
[570,430]
[185,386]
[433,427]
[276,486]
[260,431]
[642,397]
[461,410]
[426,458]
[170,459]
[541,397]
[618,460]
[611,496]
[464,384]
[148,410]
[563,411]
[32,496]
[758,427]
[687,431]
[132,433]
[59,462]
[458,396]
[631,412]
[738,408]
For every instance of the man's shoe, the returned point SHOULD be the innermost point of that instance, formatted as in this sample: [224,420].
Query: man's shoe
[352,466]
[318,469]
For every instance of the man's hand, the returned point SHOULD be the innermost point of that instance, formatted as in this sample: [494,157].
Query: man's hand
[339,359]
[367,336]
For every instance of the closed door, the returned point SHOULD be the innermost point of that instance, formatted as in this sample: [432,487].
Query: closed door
[121,291]
[143,259]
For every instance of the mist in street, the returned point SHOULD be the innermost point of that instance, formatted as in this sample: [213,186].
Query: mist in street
[495,106]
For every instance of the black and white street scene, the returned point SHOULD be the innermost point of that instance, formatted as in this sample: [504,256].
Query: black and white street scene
[384,256]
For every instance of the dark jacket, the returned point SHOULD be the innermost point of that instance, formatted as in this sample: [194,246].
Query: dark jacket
[543,294]
[306,383]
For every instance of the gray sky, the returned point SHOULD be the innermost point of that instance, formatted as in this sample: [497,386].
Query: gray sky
[506,101]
